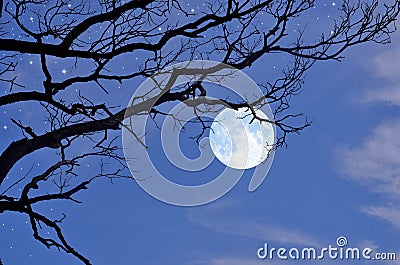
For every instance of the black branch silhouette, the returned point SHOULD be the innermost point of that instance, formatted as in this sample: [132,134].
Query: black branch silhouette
[99,34]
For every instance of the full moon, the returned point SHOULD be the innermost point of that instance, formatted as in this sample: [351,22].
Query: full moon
[236,142]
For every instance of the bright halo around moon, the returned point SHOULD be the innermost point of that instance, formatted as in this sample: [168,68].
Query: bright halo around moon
[236,142]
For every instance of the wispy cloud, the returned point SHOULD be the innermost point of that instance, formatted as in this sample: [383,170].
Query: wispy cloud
[216,217]
[389,94]
[386,67]
[376,163]
[387,213]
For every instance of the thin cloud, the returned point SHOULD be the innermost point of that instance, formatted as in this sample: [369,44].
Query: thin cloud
[386,67]
[389,94]
[215,217]
[387,213]
[376,163]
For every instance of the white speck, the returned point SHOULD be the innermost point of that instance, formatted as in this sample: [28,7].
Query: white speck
[192,10]
[5,127]
[333,4]
[31,19]
[12,229]
[64,71]
[30,62]
[159,28]
[69,5]
[332,32]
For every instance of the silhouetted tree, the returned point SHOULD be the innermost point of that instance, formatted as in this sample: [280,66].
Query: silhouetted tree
[94,37]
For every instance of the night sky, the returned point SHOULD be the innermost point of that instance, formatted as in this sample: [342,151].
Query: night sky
[339,177]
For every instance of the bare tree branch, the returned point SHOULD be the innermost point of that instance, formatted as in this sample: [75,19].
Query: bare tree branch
[94,37]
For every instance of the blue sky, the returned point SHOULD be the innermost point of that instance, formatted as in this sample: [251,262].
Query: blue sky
[339,177]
